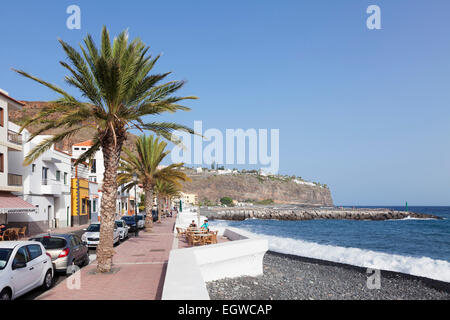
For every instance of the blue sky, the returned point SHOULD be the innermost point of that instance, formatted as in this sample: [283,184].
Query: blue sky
[365,111]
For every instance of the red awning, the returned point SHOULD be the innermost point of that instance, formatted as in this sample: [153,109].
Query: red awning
[10,203]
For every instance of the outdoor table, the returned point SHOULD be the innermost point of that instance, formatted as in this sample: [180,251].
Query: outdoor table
[203,235]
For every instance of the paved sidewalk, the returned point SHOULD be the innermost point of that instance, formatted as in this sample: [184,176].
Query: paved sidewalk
[139,268]
[62,230]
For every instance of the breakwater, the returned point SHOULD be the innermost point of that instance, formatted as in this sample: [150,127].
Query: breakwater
[310,213]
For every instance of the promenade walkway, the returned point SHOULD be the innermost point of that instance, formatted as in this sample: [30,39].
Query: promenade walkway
[139,268]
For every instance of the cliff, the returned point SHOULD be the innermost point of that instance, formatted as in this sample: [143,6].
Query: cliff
[243,187]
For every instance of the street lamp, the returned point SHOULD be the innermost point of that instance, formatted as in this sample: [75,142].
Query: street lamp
[135,180]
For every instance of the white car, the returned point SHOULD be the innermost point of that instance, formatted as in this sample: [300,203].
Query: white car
[24,265]
[92,235]
[141,221]
[123,229]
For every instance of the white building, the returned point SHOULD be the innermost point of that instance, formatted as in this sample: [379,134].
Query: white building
[10,178]
[125,199]
[46,185]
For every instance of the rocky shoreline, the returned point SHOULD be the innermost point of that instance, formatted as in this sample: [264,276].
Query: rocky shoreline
[289,277]
[310,213]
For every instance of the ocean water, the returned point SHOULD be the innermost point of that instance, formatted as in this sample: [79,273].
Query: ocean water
[414,246]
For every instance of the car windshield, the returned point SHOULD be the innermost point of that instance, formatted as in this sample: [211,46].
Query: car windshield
[50,243]
[128,219]
[140,217]
[119,224]
[94,228]
[4,257]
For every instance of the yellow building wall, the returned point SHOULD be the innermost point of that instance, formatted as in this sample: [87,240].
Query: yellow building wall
[80,191]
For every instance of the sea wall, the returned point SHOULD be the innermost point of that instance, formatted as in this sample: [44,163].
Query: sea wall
[310,214]
[188,269]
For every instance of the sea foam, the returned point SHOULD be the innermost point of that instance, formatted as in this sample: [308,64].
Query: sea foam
[423,266]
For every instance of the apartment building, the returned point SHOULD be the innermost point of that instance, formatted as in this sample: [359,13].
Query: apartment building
[125,199]
[46,185]
[11,205]
[85,195]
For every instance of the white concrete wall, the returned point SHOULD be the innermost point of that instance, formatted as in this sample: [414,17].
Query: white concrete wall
[56,194]
[188,269]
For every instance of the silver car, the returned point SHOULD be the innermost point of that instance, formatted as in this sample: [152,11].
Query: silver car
[123,229]
[65,250]
[91,237]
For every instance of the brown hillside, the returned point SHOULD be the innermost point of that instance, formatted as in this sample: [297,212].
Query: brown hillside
[33,107]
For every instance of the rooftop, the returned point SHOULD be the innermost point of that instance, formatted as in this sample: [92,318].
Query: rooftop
[87,143]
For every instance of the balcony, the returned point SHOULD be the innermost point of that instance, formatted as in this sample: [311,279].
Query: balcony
[14,137]
[14,180]
[54,187]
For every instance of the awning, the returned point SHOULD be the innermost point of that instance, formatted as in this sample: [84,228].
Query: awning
[10,203]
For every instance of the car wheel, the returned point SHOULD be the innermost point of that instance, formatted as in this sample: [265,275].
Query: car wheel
[5,294]
[85,260]
[48,280]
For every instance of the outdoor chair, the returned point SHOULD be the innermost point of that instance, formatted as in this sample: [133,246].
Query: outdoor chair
[197,240]
[22,231]
[10,234]
[214,236]
[180,232]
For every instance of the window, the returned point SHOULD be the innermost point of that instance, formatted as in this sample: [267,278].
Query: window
[76,148]
[4,257]
[1,162]
[83,205]
[73,242]
[44,175]
[94,205]
[34,250]
[21,256]
[33,167]
[2,115]
[93,166]
[65,177]
[37,208]
[58,175]
[93,178]
[84,149]
[51,243]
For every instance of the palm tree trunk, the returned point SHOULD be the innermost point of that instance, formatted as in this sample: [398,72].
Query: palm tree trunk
[148,209]
[105,251]
[160,207]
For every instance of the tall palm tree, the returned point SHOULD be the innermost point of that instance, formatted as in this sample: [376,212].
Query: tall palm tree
[165,190]
[117,92]
[145,163]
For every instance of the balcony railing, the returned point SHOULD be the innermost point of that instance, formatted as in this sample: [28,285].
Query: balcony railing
[14,137]
[14,179]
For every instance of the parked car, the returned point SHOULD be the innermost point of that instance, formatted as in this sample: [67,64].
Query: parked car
[141,221]
[123,229]
[155,214]
[65,250]
[92,235]
[131,222]
[24,265]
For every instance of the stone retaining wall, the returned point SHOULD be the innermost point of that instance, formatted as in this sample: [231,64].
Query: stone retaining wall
[311,214]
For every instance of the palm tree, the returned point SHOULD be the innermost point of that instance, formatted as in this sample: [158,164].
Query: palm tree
[165,190]
[117,92]
[145,163]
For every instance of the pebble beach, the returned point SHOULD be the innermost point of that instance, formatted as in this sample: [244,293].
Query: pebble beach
[289,277]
